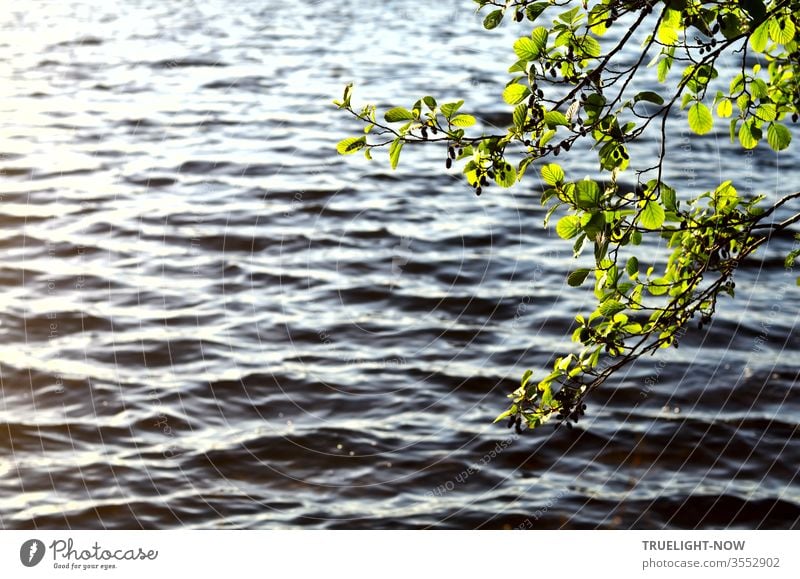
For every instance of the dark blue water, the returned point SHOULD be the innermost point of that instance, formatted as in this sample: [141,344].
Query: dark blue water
[211,320]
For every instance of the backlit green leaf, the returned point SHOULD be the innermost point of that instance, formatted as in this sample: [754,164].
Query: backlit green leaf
[526,48]
[449,109]
[724,108]
[552,174]
[539,37]
[652,215]
[394,152]
[588,196]
[505,174]
[611,307]
[350,145]
[515,93]
[398,114]
[781,30]
[760,37]
[700,119]
[749,135]
[463,121]
[778,136]
[568,227]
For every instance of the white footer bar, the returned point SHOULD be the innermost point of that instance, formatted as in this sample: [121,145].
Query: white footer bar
[399,554]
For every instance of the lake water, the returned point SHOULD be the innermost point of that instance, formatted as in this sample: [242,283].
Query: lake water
[209,319]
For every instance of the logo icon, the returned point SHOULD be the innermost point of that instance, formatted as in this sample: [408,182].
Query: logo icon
[31,553]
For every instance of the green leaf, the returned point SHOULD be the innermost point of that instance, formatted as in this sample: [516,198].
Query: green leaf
[632,267]
[588,196]
[351,145]
[730,25]
[594,105]
[669,27]
[724,108]
[568,226]
[471,172]
[463,121]
[609,308]
[520,115]
[759,37]
[555,118]
[669,198]
[589,46]
[758,88]
[515,93]
[659,286]
[725,196]
[663,68]
[650,97]
[778,136]
[552,174]
[734,122]
[597,19]
[519,66]
[593,224]
[505,174]
[652,215]
[523,166]
[526,48]
[493,19]
[545,138]
[398,114]
[766,112]
[430,102]
[525,378]
[394,152]
[539,37]
[749,135]
[700,119]
[577,277]
[449,109]
[781,30]
[534,10]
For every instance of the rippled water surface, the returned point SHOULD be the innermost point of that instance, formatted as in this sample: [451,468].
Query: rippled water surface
[211,320]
